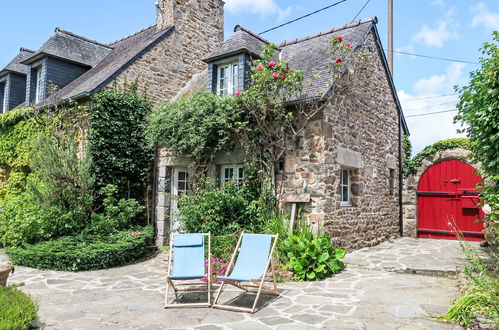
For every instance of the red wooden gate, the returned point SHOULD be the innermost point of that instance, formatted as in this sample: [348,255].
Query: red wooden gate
[447,202]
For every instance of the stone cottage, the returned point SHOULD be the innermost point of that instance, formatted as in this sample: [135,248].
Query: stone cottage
[160,58]
[346,169]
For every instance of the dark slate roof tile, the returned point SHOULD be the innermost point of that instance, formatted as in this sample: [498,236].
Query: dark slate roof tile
[124,52]
[243,40]
[71,47]
[311,55]
[15,65]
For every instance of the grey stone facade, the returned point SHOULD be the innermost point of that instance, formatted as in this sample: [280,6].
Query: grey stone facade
[358,131]
[410,198]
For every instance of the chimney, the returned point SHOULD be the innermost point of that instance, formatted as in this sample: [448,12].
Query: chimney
[165,13]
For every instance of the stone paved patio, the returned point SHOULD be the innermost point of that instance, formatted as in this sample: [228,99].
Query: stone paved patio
[390,286]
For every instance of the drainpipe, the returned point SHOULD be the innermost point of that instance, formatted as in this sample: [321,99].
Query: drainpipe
[154,188]
[401,178]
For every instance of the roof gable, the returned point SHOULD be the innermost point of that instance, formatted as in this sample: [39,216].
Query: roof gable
[71,47]
[242,41]
[15,65]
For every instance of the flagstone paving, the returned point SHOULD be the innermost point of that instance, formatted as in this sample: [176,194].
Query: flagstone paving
[395,285]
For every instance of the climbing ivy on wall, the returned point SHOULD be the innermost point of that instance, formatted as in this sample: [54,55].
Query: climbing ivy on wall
[411,165]
[117,145]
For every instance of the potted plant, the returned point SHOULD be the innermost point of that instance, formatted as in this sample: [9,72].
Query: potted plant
[5,270]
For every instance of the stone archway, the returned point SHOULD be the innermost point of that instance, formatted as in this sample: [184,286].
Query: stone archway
[409,196]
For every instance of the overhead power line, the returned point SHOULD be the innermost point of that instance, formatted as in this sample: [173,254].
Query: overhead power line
[431,113]
[302,17]
[360,11]
[430,97]
[414,107]
[435,58]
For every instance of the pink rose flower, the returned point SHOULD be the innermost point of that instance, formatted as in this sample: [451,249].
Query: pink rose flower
[287,71]
[283,77]
[275,75]
[271,63]
[348,45]
[340,38]
[487,209]
[136,233]
[238,93]
[339,60]
[259,67]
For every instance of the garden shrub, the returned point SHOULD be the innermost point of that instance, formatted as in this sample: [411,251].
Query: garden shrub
[223,246]
[17,310]
[118,213]
[220,210]
[85,252]
[312,258]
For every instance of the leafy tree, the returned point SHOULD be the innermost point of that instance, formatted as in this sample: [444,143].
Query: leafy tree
[479,112]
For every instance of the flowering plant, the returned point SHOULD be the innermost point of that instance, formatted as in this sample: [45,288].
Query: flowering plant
[218,268]
[345,58]
[135,234]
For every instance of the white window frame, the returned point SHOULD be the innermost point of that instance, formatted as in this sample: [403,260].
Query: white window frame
[237,173]
[348,185]
[230,80]
[176,193]
[4,101]
[39,84]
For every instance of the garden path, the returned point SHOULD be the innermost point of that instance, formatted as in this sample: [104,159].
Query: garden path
[395,285]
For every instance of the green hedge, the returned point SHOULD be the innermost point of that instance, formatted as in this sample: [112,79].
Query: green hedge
[17,310]
[84,252]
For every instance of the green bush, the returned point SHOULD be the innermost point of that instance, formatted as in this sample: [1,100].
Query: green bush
[227,210]
[85,252]
[312,258]
[118,213]
[17,310]
[223,246]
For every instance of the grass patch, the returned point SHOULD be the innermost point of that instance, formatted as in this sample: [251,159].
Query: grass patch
[17,310]
[479,301]
[85,252]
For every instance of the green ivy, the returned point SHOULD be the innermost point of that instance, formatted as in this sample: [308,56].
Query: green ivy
[198,126]
[117,145]
[412,165]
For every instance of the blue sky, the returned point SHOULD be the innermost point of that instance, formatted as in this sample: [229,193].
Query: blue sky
[442,28]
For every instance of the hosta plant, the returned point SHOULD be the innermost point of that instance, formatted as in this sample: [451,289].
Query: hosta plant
[313,258]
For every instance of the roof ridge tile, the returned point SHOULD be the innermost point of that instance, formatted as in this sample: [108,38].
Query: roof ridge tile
[22,49]
[373,19]
[131,35]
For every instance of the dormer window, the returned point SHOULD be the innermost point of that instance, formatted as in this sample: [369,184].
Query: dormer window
[39,85]
[228,78]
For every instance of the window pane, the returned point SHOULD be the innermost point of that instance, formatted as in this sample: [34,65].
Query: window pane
[181,186]
[344,193]
[181,175]
[241,174]
[344,177]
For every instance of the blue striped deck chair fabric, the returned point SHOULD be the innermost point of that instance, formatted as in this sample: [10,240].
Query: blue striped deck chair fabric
[249,266]
[186,262]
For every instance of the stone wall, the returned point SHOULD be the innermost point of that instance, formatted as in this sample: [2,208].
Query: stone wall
[409,195]
[166,68]
[359,131]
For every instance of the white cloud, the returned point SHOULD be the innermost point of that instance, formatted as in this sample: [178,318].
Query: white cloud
[263,8]
[484,17]
[434,36]
[439,3]
[426,130]
[405,49]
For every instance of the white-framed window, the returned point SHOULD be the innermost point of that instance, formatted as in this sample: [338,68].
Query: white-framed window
[3,91]
[345,184]
[227,78]
[39,85]
[232,173]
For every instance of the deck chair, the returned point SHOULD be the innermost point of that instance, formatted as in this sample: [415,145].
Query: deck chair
[254,258]
[187,252]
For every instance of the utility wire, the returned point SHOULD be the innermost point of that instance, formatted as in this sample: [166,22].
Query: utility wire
[302,17]
[432,105]
[429,97]
[360,11]
[431,113]
[435,58]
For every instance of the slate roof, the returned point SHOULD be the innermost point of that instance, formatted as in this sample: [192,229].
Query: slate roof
[15,65]
[71,47]
[122,53]
[311,54]
[243,40]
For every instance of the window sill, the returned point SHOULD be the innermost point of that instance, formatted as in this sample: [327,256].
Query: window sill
[345,205]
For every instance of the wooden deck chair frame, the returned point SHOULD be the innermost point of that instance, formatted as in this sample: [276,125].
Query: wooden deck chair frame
[190,286]
[256,286]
